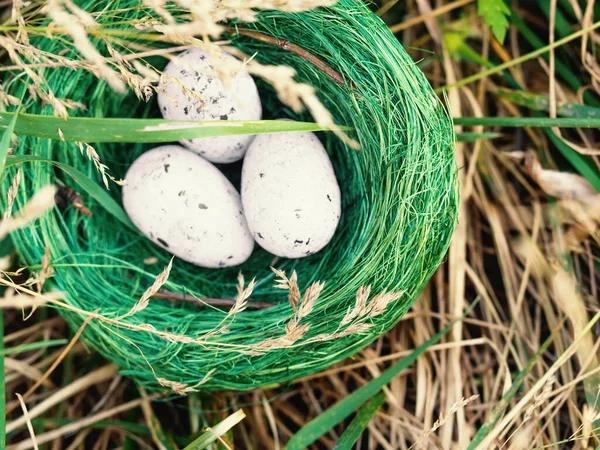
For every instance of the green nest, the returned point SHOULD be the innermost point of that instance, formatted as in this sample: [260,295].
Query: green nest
[399,196]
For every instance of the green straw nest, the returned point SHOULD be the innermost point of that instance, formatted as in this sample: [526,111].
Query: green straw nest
[399,197]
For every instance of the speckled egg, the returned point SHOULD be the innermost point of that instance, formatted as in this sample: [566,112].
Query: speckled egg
[185,205]
[192,91]
[291,197]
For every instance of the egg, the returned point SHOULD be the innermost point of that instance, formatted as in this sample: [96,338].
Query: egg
[291,198]
[185,205]
[205,97]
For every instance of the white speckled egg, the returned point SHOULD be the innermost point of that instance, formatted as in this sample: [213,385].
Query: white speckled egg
[238,101]
[291,197]
[184,204]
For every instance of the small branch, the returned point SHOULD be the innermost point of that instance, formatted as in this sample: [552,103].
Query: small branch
[218,302]
[290,47]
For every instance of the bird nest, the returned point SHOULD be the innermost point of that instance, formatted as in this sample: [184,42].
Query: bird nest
[206,328]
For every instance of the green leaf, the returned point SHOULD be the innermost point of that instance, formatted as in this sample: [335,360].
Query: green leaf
[472,137]
[359,423]
[84,129]
[85,182]
[576,159]
[33,346]
[320,425]
[217,431]
[543,122]
[537,102]
[5,142]
[6,245]
[496,14]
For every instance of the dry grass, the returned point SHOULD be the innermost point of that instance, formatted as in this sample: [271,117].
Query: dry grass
[532,261]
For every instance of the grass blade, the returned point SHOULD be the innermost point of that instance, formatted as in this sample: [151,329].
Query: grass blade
[32,346]
[215,432]
[359,423]
[577,160]
[542,103]
[5,142]
[472,137]
[320,425]
[543,122]
[85,182]
[84,129]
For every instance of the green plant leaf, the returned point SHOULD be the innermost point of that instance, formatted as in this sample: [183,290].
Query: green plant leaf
[33,346]
[5,142]
[537,102]
[359,423]
[496,14]
[543,122]
[321,424]
[215,432]
[85,182]
[84,129]
[576,159]
[472,137]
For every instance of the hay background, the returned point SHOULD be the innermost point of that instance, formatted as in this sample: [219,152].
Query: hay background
[399,209]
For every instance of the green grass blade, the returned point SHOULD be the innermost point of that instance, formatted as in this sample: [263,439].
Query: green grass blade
[215,432]
[85,182]
[359,423]
[542,103]
[83,129]
[320,425]
[33,346]
[561,24]
[5,142]
[543,122]
[2,386]
[472,137]
[577,160]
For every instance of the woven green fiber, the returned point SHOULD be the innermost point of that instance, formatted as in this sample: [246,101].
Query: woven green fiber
[399,209]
